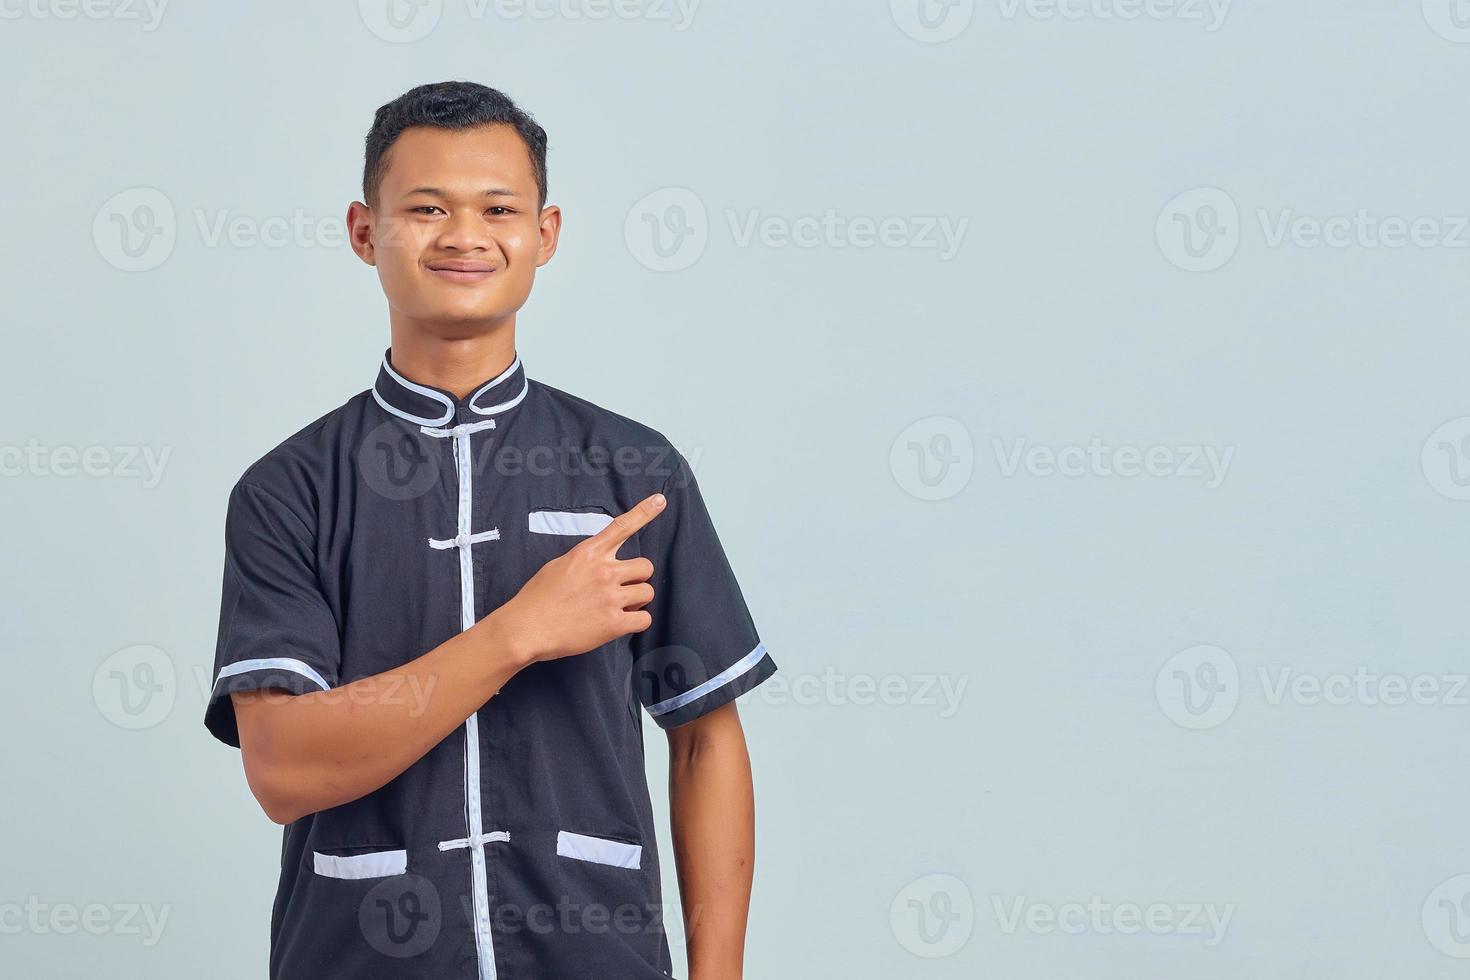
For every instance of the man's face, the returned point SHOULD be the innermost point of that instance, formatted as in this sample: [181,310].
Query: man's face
[456,235]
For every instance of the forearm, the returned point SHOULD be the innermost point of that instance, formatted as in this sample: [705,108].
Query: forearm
[713,816]
[310,752]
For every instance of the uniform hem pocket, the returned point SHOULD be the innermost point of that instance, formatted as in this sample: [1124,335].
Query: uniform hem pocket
[599,850]
[371,864]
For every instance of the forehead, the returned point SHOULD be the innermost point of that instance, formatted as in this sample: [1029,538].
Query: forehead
[459,160]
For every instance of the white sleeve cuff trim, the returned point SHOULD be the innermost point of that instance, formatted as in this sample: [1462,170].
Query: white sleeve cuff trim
[272,663]
[719,680]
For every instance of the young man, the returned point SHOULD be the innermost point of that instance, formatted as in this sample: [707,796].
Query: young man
[444,603]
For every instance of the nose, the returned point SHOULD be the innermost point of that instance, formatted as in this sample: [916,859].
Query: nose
[463,231]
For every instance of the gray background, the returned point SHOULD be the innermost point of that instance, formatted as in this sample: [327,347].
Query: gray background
[1136,742]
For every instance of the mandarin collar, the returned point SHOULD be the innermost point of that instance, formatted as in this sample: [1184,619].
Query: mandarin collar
[429,406]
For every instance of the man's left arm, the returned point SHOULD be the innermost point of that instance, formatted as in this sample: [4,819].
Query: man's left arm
[712,809]
[701,652]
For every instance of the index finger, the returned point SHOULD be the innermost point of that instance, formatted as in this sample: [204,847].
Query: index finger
[627,524]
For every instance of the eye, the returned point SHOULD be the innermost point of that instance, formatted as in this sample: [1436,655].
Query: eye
[499,210]
[424,208]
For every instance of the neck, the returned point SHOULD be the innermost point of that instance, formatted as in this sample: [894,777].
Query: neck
[455,364]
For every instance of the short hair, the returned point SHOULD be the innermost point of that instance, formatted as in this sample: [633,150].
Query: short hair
[449,105]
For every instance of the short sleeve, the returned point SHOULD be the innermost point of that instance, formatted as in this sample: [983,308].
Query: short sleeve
[276,629]
[702,650]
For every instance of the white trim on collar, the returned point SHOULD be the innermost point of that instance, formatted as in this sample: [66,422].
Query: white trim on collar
[430,392]
[496,409]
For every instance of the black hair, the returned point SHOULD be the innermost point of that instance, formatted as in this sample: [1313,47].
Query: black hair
[449,105]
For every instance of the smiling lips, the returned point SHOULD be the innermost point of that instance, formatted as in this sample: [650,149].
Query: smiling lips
[461,270]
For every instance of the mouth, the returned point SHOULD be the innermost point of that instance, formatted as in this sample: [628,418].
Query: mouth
[462,270]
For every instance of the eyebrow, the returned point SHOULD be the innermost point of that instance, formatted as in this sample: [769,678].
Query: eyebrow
[488,192]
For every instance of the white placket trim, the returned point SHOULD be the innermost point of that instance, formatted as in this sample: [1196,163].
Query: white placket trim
[475,837]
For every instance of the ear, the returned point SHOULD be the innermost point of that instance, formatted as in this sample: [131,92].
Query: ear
[360,223]
[550,233]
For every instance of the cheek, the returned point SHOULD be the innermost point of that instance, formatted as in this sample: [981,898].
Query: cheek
[522,243]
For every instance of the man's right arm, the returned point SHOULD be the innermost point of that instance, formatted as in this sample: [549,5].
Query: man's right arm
[309,752]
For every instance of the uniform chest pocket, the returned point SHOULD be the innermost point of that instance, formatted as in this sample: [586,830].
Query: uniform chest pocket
[552,530]
[581,522]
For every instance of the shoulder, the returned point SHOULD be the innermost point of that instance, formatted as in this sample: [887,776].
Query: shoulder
[297,471]
[632,448]
[595,425]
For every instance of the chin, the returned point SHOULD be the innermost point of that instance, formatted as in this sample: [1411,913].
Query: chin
[457,320]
